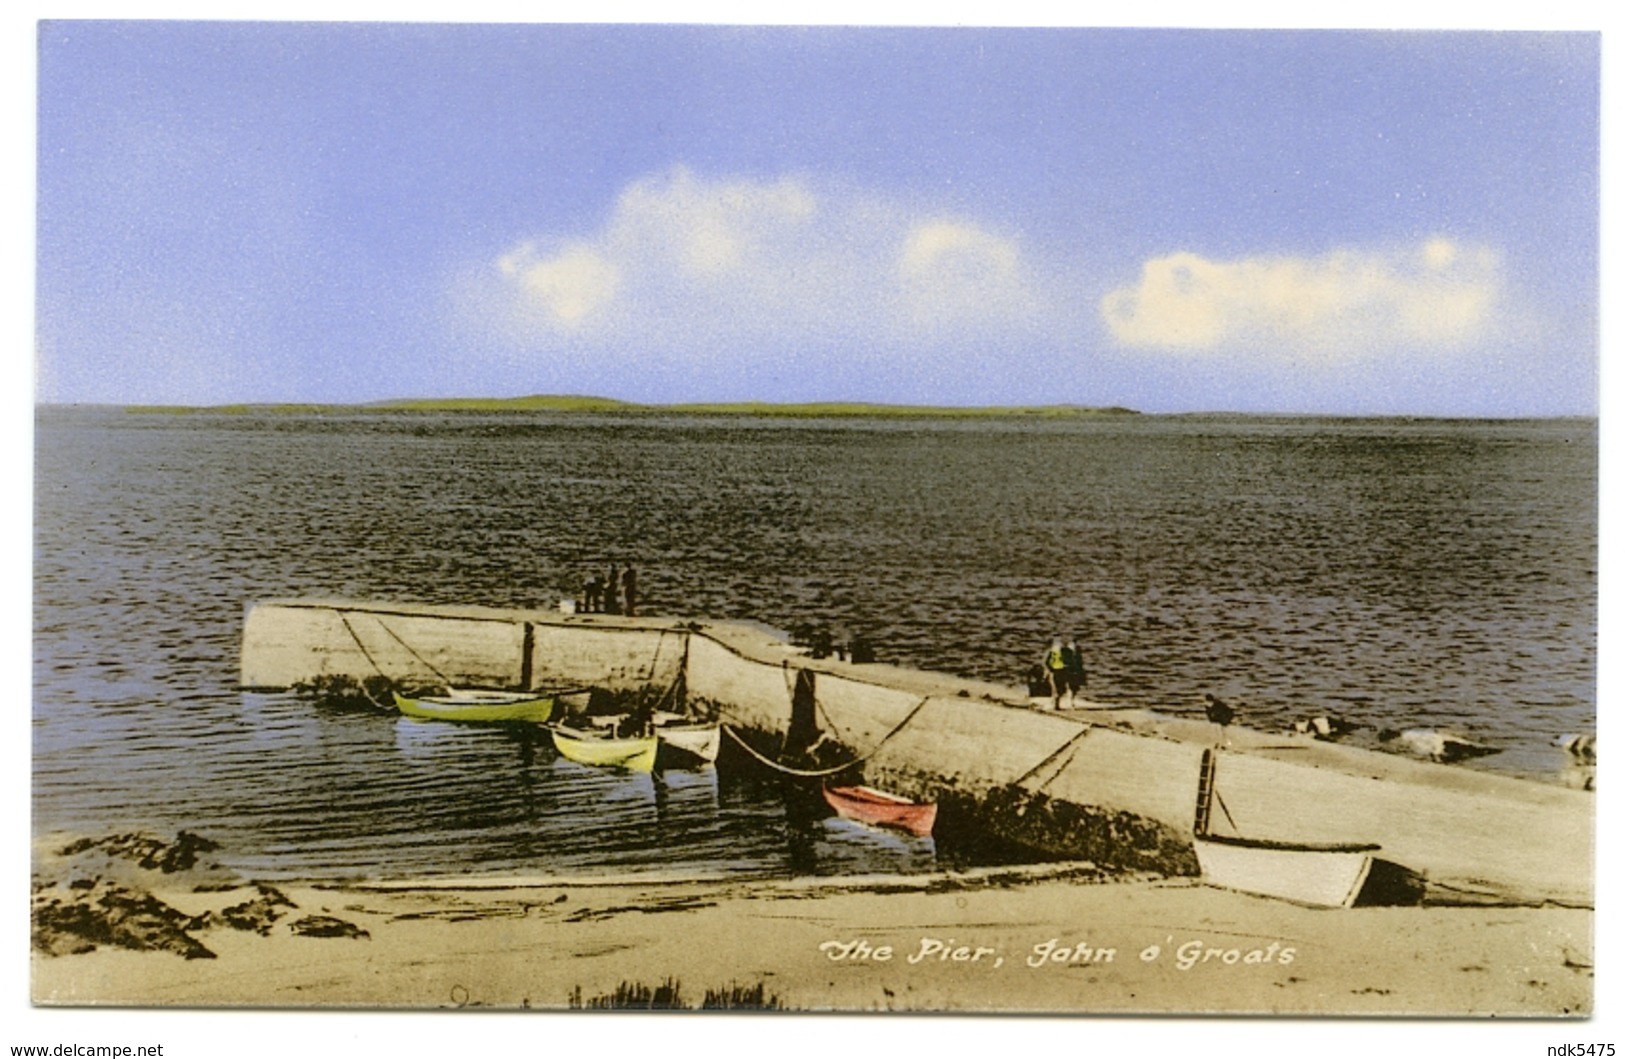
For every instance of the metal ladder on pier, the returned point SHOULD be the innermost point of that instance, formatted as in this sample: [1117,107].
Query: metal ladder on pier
[1204,792]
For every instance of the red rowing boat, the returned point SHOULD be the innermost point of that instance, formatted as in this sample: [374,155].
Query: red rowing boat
[869,806]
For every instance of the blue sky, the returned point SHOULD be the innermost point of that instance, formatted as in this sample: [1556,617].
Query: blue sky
[1293,221]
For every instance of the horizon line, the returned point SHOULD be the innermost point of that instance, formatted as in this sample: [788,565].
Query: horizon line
[833,408]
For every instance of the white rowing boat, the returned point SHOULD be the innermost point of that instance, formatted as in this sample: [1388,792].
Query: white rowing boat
[1324,874]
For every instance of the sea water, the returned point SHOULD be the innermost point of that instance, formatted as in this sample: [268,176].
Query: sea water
[1398,573]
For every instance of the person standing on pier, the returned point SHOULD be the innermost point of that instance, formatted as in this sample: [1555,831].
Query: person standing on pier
[1072,658]
[590,593]
[629,590]
[1218,712]
[1055,670]
[612,590]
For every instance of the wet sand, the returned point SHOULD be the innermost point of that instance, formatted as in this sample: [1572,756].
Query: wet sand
[1030,941]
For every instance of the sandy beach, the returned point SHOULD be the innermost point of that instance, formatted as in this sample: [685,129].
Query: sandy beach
[1049,939]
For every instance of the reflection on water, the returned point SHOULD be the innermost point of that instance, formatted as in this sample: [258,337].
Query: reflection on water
[1399,573]
[839,846]
[305,791]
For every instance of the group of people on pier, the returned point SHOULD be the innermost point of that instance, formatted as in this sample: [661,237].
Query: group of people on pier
[615,593]
[1063,675]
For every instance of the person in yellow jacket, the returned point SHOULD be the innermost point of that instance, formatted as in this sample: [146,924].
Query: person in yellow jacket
[1055,670]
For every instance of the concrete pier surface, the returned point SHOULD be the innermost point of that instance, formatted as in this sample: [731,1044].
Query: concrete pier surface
[1114,786]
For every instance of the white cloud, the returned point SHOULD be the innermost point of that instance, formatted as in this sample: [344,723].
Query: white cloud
[709,230]
[684,260]
[952,272]
[570,286]
[693,283]
[1439,296]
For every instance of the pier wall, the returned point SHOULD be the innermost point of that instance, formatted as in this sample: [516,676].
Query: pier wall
[285,643]
[755,694]
[1492,834]
[562,656]
[1119,792]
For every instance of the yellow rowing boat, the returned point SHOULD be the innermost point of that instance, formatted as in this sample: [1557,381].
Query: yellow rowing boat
[636,754]
[467,704]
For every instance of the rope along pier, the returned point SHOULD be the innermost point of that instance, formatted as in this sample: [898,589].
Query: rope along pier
[814,773]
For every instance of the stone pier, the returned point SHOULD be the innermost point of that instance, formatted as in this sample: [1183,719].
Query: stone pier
[1117,786]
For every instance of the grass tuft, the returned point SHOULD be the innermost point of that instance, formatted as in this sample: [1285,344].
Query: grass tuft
[667,996]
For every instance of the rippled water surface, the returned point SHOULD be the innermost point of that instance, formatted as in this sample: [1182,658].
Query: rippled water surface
[1401,573]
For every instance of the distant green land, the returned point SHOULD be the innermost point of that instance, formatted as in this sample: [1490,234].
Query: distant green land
[571,403]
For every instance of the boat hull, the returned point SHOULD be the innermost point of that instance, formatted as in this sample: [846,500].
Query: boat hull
[636,755]
[478,706]
[879,809]
[1325,876]
[697,742]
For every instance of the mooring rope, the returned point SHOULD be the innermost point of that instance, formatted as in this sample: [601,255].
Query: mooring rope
[443,678]
[654,662]
[670,693]
[790,684]
[370,661]
[818,705]
[682,677]
[1057,752]
[901,724]
[860,759]
[786,769]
